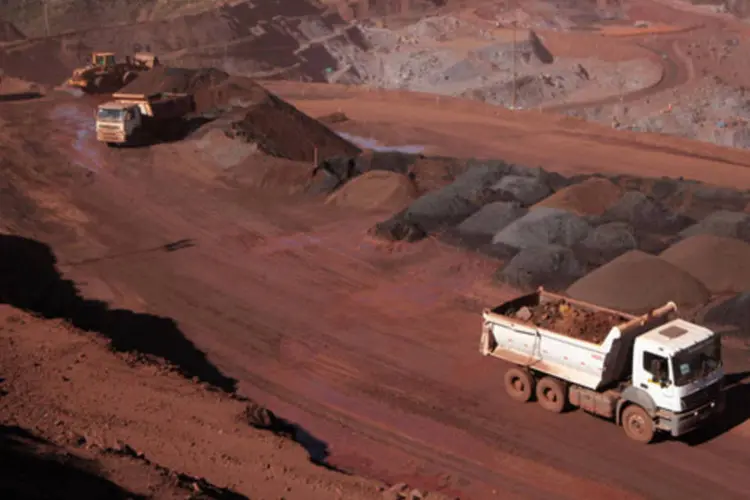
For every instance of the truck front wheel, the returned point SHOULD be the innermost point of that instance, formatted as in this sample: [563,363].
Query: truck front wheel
[638,425]
[550,394]
[519,384]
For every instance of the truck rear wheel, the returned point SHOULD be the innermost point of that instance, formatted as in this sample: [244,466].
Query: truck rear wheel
[519,384]
[638,425]
[551,394]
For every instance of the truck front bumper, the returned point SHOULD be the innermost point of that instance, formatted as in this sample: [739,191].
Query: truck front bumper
[111,136]
[678,424]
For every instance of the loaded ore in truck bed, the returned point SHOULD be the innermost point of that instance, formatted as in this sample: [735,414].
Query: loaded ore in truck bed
[175,80]
[567,319]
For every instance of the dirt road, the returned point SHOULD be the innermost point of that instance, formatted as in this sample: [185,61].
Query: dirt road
[372,349]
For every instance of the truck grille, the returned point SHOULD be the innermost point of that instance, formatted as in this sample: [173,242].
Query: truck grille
[702,397]
[110,136]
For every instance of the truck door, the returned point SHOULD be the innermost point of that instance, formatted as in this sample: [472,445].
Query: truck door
[656,378]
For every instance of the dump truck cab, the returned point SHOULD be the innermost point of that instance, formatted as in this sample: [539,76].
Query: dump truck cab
[116,121]
[676,373]
[103,59]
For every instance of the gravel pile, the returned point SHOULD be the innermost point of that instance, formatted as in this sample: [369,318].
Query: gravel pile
[491,218]
[607,242]
[455,202]
[543,226]
[645,214]
[524,189]
[552,266]
[637,282]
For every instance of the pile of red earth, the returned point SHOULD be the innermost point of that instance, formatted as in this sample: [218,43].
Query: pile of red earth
[9,33]
[637,282]
[375,190]
[279,129]
[593,196]
[565,318]
[721,264]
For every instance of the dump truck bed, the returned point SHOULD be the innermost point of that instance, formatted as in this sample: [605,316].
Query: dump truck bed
[161,105]
[572,340]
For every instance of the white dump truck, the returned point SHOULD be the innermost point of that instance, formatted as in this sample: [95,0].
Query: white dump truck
[648,373]
[135,118]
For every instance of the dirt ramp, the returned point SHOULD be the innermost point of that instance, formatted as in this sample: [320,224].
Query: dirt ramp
[375,190]
[591,197]
[637,282]
[722,264]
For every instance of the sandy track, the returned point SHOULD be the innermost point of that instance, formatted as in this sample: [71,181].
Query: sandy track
[372,350]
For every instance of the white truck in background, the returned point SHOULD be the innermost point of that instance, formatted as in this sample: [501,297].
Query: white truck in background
[137,118]
[649,373]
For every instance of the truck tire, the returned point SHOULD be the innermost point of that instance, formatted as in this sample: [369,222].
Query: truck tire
[638,425]
[519,384]
[551,394]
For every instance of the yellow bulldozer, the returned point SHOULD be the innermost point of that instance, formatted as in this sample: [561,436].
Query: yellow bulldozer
[105,74]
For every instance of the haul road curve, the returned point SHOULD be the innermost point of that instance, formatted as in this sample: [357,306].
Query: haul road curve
[374,353]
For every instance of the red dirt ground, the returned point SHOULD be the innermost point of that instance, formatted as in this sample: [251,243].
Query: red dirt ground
[121,419]
[370,347]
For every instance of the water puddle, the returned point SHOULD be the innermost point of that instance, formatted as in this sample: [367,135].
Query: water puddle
[370,143]
[81,122]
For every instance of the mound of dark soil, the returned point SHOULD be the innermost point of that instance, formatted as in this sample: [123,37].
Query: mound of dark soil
[9,32]
[722,264]
[544,226]
[637,282]
[177,80]
[552,266]
[732,311]
[280,129]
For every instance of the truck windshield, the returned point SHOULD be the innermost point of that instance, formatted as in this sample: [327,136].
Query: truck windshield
[110,115]
[696,362]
